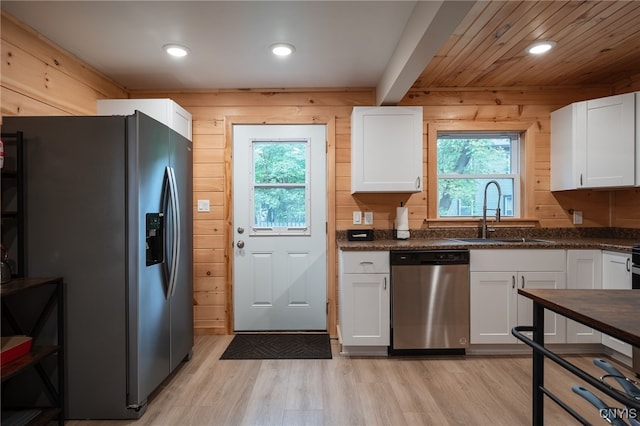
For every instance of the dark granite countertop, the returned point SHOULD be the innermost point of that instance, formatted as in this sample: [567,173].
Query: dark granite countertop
[615,239]
[613,244]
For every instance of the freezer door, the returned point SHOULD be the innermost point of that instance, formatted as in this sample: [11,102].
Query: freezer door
[182,290]
[148,307]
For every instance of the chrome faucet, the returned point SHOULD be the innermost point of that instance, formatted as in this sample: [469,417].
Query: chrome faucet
[484,207]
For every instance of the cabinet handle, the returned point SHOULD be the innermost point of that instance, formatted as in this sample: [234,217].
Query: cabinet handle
[366,262]
[580,179]
[385,283]
[418,182]
[628,264]
[522,281]
[513,281]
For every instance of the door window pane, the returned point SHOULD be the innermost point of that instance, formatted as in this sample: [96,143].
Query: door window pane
[277,207]
[280,187]
[280,162]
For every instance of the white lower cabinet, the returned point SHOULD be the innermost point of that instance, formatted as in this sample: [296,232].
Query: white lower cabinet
[364,298]
[496,276]
[584,272]
[616,275]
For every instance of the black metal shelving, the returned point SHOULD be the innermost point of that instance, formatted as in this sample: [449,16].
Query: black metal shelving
[13,208]
[41,351]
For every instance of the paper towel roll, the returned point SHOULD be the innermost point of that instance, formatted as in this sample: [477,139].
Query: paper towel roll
[402,219]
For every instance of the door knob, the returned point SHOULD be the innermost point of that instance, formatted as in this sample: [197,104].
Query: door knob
[240,230]
[240,244]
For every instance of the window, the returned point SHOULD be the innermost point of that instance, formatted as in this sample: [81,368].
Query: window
[467,162]
[279,200]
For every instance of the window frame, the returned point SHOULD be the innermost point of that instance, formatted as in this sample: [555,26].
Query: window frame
[530,131]
[515,158]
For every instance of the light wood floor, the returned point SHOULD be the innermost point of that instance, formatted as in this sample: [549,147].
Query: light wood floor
[462,390]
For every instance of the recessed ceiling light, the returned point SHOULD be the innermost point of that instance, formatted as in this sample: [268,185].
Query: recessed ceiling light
[282,49]
[176,50]
[540,47]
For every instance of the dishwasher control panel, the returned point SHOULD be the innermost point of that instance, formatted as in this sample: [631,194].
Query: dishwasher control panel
[430,257]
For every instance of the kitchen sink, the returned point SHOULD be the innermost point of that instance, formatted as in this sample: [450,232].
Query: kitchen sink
[524,240]
[477,240]
[502,240]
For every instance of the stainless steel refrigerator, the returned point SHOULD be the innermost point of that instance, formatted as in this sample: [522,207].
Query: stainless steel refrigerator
[108,205]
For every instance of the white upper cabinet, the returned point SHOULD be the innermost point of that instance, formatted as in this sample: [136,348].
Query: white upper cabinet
[165,111]
[610,142]
[637,138]
[386,149]
[593,144]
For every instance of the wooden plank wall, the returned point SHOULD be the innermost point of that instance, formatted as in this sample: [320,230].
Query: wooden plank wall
[485,108]
[213,112]
[40,79]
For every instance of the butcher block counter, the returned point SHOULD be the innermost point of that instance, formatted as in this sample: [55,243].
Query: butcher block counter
[614,312]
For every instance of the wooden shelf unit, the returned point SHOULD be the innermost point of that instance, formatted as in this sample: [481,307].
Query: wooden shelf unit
[39,352]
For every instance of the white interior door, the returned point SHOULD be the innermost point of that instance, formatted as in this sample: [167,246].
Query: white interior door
[279,226]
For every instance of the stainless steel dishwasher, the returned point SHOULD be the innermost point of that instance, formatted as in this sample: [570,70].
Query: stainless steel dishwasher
[429,301]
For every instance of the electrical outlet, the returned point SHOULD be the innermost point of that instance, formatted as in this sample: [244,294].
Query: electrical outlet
[577,217]
[203,205]
[357,218]
[368,218]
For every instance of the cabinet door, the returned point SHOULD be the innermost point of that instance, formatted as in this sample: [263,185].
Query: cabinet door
[616,275]
[584,271]
[386,149]
[493,308]
[365,309]
[568,125]
[554,324]
[610,142]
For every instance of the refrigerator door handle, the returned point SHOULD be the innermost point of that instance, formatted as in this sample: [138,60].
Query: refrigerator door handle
[169,204]
[176,231]
[166,207]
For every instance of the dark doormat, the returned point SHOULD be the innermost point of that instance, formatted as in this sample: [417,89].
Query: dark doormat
[279,346]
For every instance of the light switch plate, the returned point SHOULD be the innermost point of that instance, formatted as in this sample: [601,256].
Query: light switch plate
[203,205]
[368,218]
[357,218]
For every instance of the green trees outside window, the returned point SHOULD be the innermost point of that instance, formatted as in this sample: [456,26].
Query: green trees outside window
[280,184]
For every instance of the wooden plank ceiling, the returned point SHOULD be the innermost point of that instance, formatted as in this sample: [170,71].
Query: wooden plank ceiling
[598,43]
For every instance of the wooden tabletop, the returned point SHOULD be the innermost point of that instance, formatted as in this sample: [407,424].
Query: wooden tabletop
[19,284]
[614,312]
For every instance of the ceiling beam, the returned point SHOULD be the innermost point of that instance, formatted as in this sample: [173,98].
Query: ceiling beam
[430,25]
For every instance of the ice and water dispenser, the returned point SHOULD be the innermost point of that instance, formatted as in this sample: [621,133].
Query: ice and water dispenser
[155,238]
